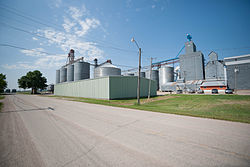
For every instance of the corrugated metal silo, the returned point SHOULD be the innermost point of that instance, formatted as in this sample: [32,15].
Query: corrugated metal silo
[143,74]
[57,76]
[166,74]
[106,69]
[129,74]
[70,72]
[81,70]
[63,74]
[155,76]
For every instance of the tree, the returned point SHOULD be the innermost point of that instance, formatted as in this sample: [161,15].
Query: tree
[33,80]
[3,83]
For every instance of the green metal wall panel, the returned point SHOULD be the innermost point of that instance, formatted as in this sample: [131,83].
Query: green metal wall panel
[89,88]
[126,87]
[112,87]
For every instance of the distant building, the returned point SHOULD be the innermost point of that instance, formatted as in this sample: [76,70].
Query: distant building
[50,88]
[238,72]
[214,69]
[207,86]
[191,63]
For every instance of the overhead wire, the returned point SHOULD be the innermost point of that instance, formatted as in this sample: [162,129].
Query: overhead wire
[53,25]
[26,16]
[16,12]
[23,48]
[47,53]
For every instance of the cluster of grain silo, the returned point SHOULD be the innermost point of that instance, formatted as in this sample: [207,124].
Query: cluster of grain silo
[73,79]
[74,70]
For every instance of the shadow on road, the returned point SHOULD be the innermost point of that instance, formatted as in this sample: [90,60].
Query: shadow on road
[33,109]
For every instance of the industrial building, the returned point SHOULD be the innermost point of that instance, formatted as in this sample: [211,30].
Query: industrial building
[73,79]
[238,72]
[208,86]
[190,75]
[191,63]
[108,87]
[215,68]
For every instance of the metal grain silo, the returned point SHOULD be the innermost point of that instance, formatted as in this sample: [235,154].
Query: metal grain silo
[155,76]
[81,70]
[106,69]
[166,74]
[129,74]
[57,76]
[70,72]
[143,74]
[63,74]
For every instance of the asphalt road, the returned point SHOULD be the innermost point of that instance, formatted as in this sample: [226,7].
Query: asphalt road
[42,131]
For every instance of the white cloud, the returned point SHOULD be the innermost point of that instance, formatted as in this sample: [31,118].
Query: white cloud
[76,25]
[58,3]
[67,25]
[42,62]
[87,25]
[77,13]
[34,38]
[34,52]
[19,65]
[153,6]
[10,67]
[55,4]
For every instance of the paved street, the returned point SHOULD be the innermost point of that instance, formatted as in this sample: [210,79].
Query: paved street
[42,131]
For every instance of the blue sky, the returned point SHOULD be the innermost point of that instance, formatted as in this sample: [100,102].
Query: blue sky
[103,29]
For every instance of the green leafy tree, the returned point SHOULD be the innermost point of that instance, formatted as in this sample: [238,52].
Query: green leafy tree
[3,83]
[33,80]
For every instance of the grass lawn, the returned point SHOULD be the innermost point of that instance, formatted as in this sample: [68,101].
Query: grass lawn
[225,107]
[24,92]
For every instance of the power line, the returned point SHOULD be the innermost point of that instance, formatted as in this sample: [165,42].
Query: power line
[26,17]
[124,66]
[19,47]
[16,12]
[22,30]
[53,54]
[40,36]
[18,21]
[221,49]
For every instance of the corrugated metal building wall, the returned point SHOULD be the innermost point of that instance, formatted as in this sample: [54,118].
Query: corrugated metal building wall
[214,69]
[242,76]
[110,87]
[192,63]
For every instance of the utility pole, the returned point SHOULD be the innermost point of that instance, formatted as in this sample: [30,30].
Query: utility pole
[150,78]
[139,71]
[184,81]
[139,76]
[235,79]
